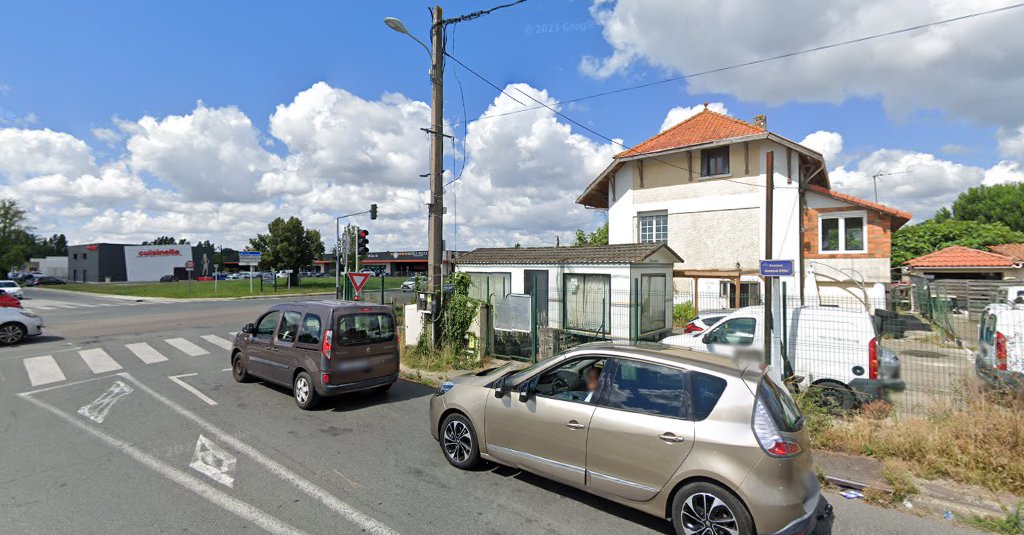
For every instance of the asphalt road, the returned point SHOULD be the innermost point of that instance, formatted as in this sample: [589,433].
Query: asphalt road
[162,440]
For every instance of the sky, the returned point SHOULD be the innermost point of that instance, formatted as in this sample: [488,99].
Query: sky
[121,121]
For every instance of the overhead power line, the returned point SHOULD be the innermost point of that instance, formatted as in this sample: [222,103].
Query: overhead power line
[478,14]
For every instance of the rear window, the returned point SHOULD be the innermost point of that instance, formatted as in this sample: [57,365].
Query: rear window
[367,328]
[780,405]
[8,284]
[706,391]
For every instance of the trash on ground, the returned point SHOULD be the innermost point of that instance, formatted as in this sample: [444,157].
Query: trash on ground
[851,494]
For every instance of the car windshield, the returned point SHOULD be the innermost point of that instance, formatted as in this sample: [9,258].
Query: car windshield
[8,284]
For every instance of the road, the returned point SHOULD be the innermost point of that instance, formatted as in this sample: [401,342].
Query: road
[125,418]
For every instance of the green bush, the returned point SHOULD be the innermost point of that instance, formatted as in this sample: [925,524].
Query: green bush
[683,313]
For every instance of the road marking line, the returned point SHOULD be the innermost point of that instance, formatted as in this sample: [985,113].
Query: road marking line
[233,333]
[97,410]
[243,510]
[65,385]
[146,352]
[226,370]
[43,370]
[36,307]
[86,306]
[98,360]
[190,388]
[187,347]
[366,522]
[214,462]
[217,341]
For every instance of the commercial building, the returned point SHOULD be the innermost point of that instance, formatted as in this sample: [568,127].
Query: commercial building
[113,262]
[404,262]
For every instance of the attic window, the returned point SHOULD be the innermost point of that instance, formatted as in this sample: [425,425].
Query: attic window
[714,162]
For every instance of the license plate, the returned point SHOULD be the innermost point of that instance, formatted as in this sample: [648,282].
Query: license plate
[354,365]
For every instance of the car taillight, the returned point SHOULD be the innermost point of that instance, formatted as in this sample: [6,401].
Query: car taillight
[1000,352]
[326,378]
[326,348]
[692,328]
[873,359]
[768,436]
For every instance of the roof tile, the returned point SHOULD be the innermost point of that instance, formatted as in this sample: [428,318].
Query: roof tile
[705,127]
[960,256]
[904,217]
[1013,250]
[628,253]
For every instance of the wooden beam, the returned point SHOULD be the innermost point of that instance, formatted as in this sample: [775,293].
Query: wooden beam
[640,171]
[746,157]
[696,295]
[689,163]
[739,285]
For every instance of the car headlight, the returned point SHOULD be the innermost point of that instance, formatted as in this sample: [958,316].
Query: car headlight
[28,314]
[444,388]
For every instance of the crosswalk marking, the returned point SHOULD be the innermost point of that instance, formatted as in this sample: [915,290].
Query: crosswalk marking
[146,353]
[43,370]
[217,341]
[98,360]
[187,347]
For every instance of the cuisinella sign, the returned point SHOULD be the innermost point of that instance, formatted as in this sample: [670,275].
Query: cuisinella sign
[160,252]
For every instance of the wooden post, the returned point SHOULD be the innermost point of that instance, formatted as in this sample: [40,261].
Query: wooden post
[769,200]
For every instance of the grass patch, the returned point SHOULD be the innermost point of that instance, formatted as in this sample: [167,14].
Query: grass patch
[1011,524]
[229,288]
[423,357]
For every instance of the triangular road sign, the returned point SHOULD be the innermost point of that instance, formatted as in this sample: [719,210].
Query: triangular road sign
[358,280]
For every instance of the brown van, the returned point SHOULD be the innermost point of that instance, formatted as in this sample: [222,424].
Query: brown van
[319,348]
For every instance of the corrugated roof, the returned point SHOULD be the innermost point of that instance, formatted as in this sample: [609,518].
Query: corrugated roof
[957,256]
[900,215]
[1012,250]
[629,253]
[704,127]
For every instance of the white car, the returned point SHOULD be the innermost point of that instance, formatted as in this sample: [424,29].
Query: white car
[410,283]
[1000,357]
[834,349]
[11,287]
[16,324]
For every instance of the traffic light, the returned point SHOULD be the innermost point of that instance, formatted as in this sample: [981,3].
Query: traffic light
[363,245]
[373,211]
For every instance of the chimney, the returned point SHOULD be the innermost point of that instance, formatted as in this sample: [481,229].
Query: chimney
[761,121]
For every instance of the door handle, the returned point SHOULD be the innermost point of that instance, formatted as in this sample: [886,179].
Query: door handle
[573,424]
[670,437]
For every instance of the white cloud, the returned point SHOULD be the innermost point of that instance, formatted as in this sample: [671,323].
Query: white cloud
[107,135]
[1011,142]
[681,113]
[907,72]
[829,144]
[25,153]
[1004,172]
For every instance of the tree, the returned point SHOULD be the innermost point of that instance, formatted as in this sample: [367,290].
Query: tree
[15,239]
[162,240]
[1002,203]
[931,235]
[598,237]
[288,245]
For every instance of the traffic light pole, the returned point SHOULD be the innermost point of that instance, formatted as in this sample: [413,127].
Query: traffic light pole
[337,247]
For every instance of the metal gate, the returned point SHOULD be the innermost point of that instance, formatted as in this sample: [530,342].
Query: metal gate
[515,327]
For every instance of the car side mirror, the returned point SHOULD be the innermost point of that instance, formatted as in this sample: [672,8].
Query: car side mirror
[526,391]
[249,328]
[499,388]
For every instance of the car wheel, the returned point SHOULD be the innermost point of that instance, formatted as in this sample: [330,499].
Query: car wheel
[705,508]
[305,394]
[836,397]
[12,333]
[458,442]
[238,370]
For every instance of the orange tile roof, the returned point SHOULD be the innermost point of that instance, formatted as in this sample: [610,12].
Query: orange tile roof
[1012,250]
[960,256]
[704,127]
[901,216]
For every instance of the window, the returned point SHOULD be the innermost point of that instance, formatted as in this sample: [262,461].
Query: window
[714,162]
[576,380]
[842,233]
[654,228]
[265,328]
[734,332]
[496,285]
[750,293]
[85,255]
[289,329]
[309,333]
[587,303]
[706,390]
[780,405]
[369,328]
[650,389]
[74,256]
[652,303]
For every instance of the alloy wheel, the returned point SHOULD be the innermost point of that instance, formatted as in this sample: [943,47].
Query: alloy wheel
[458,443]
[10,334]
[705,514]
[301,390]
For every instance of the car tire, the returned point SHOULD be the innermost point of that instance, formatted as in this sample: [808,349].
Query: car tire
[304,391]
[700,505]
[238,369]
[836,397]
[12,333]
[458,442]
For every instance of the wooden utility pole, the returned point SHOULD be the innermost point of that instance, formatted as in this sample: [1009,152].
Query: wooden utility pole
[435,229]
[769,202]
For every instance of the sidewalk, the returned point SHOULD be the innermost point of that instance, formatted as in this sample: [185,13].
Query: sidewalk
[180,299]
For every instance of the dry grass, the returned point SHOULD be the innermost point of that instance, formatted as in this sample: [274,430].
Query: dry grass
[976,438]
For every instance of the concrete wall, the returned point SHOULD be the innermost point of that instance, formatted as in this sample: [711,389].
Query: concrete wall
[97,264]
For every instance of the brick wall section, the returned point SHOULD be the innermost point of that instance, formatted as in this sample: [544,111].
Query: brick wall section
[878,230]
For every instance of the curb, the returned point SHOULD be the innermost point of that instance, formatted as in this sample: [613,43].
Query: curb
[138,298]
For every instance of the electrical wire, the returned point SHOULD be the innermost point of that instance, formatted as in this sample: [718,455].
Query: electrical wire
[478,14]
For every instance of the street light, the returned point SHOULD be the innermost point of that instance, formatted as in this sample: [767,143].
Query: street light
[397,25]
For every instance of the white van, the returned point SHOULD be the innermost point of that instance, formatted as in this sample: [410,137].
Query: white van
[1000,356]
[835,349]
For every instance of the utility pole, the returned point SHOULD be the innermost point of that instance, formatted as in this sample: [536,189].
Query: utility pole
[435,228]
[769,201]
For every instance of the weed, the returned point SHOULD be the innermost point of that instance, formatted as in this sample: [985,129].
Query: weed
[1011,524]
[899,479]
[683,313]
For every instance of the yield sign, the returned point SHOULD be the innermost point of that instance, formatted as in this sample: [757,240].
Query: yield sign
[358,280]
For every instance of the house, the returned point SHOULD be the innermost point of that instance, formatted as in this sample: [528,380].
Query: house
[699,187]
[959,262]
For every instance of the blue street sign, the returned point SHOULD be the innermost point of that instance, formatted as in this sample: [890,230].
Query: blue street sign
[249,258]
[776,268]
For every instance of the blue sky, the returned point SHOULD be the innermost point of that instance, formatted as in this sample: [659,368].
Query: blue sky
[73,67]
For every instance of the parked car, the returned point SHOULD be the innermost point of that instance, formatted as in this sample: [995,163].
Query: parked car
[45,280]
[1000,356]
[834,349]
[705,320]
[319,348]
[411,283]
[17,324]
[12,288]
[713,446]
[168,278]
[9,301]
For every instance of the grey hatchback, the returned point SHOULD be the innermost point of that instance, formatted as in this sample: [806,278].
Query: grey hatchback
[319,348]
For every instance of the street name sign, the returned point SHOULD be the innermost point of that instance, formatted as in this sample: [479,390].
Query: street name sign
[776,268]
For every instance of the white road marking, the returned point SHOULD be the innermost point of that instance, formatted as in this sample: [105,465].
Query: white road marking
[214,462]
[366,522]
[226,370]
[34,307]
[97,410]
[243,510]
[146,353]
[217,341]
[190,388]
[187,347]
[98,360]
[233,333]
[65,385]
[43,370]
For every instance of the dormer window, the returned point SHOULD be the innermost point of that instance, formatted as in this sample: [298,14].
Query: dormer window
[714,162]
